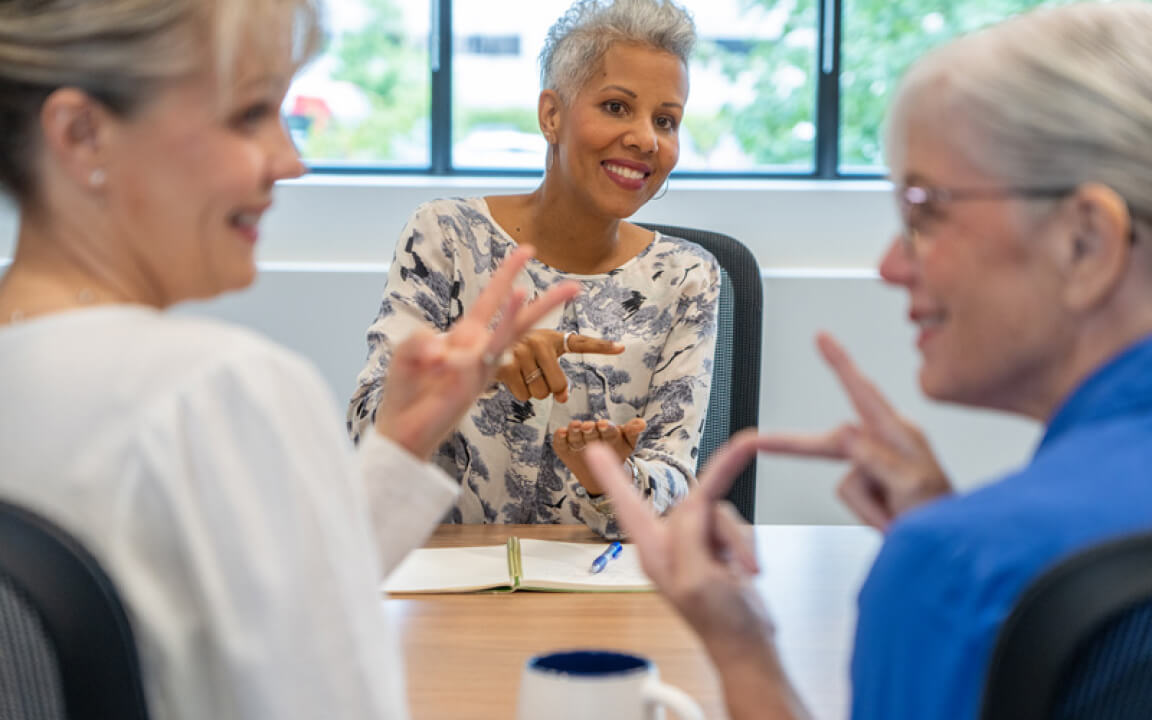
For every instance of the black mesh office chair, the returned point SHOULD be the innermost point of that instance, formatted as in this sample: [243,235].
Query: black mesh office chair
[1078,644]
[735,401]
[66,648]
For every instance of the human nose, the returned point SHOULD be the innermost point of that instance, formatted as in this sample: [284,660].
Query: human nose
[642,135]
[898,265]
[284,161]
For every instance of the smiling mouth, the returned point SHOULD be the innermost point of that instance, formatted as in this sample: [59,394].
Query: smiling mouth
[245,220]
[626,172]
[927,322]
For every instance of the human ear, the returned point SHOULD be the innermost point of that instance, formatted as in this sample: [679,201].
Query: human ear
[1098,256]
[548,114]
[74,127]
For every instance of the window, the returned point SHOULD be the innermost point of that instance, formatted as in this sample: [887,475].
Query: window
[780,88]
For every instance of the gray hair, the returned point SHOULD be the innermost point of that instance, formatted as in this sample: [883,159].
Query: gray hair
[121,51]
[1052,98]
[579,39]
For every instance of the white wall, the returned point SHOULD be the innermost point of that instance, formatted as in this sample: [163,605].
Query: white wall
[328,241]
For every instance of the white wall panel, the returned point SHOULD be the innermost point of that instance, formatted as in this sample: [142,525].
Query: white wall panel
[327,241]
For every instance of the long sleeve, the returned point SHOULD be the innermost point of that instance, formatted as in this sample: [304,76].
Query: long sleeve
[676,399]
[660,304]
[407,498]
[925,629]
[251,552]
[421,292]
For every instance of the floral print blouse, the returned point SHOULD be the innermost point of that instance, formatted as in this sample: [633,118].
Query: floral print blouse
[661,305]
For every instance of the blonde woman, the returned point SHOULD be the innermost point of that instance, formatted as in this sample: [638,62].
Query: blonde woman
[202,465]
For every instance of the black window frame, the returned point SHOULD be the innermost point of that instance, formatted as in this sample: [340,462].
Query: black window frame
[826,148]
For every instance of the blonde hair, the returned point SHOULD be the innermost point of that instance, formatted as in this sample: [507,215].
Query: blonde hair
[121,52]
[1051,98]
[578,40]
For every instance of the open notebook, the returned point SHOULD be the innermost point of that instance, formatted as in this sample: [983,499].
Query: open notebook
[519,565]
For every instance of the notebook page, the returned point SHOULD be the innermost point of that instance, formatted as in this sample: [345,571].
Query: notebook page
[550,565]
[446,570]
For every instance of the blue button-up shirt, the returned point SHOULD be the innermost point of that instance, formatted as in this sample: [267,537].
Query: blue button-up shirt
[949,573]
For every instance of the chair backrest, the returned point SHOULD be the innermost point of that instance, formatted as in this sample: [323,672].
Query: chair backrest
[66,647]
[1078,644]
[735,400]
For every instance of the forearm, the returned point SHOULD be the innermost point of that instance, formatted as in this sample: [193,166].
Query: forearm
[406,497]
[756,686]
[661,483]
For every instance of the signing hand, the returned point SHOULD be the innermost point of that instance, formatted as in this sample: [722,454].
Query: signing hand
[435,377]
[533,370]
[893,466]
[702,557]
[569,443]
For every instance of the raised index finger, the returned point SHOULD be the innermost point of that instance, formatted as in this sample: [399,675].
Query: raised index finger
[872,407]
[499,287]
[635,515]
[591,345]
[726,463]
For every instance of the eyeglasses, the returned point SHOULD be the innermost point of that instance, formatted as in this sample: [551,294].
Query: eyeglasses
[917,203]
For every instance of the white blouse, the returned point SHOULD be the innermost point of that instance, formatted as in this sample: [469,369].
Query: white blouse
[206,470]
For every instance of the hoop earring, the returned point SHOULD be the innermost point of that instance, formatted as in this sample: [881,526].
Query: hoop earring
[667,184]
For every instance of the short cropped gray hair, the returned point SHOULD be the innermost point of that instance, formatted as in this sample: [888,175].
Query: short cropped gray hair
[579,39]
[1052,98]
[121,51]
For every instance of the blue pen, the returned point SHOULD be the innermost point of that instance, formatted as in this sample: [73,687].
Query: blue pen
[603,558]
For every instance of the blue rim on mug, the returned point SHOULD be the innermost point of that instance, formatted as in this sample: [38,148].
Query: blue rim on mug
[588,663]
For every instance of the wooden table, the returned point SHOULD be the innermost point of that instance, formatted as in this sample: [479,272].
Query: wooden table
[464,653]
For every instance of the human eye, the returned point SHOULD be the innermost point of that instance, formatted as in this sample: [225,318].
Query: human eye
[251,116]
[920,207]
[667,122]
[614,107]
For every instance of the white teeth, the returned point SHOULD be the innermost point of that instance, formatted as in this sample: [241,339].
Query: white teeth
[625,172]
[246,219]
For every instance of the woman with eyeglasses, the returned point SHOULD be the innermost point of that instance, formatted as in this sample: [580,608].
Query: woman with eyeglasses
[203,466]
[1022,156]
[628,363]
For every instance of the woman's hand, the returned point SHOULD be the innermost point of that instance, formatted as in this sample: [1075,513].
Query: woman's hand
[435,377]
[569,444]
[532,369]
[893,466]
[702,557]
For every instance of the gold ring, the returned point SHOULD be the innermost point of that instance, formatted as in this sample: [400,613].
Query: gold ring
[533,376]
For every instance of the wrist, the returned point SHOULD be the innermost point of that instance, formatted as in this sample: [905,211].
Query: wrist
[410,441]
[755,686]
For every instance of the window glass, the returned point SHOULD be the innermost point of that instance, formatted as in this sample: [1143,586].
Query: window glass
[365,100]
[880,39]
[751,106]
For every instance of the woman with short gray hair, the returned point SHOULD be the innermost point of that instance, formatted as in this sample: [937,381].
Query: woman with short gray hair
[1023,171]
[629,362]
[580,38]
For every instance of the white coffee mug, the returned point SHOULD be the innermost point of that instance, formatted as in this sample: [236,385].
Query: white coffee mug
[598,685]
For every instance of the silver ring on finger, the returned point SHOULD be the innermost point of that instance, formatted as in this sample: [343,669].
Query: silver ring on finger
[533,376]
[566,336]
